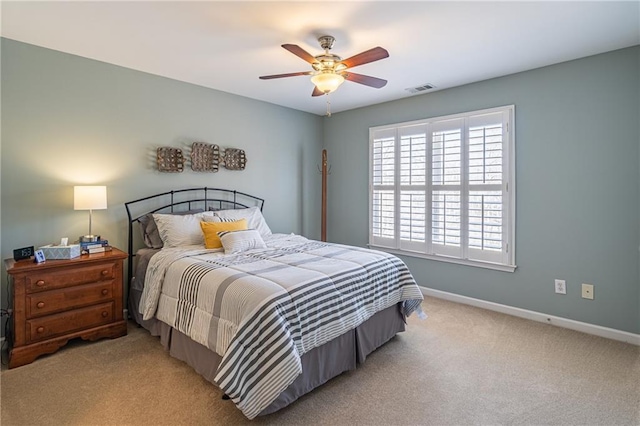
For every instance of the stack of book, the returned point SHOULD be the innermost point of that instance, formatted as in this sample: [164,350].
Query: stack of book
[99,246]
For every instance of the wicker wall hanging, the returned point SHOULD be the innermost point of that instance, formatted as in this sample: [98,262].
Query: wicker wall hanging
[205,157]
[170,160]
[234,159]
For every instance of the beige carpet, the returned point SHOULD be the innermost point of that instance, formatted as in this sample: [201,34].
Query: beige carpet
[461,366]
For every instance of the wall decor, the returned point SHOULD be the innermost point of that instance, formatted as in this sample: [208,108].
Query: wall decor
[170,160]
[205,157]
[234,159]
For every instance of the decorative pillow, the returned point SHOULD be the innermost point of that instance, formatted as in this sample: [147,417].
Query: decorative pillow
[211,229]
[150,229]
[177,230]
[239,241]
[254,217]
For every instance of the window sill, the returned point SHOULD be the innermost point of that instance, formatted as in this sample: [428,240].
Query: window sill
[440,258]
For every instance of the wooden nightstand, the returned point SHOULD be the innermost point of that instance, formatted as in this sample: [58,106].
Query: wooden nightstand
[59,300]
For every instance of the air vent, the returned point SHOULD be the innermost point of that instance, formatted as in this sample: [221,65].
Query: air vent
[419,89]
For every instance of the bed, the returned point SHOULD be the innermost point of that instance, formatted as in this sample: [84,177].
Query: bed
[266,317]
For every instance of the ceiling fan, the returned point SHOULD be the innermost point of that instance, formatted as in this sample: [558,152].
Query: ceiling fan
[330,71]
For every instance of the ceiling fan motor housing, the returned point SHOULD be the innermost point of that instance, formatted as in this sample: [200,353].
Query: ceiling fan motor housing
[328,62]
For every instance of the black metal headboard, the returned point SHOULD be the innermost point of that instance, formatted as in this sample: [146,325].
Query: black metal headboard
[184,199]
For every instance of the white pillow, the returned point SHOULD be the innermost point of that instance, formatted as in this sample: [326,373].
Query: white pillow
[254,217]
[177,231]
[239,241]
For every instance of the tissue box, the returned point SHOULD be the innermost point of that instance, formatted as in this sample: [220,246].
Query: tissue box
[60,252]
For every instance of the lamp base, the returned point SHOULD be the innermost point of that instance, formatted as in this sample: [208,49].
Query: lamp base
[89,238]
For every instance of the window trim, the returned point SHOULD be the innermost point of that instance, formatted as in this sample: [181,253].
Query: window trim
[509,186]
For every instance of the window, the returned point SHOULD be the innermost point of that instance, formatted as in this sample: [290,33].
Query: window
[443,188]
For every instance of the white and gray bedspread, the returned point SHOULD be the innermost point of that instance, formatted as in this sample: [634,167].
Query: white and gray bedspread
[262,309]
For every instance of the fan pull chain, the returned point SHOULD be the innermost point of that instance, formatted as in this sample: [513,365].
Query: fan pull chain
[328,106]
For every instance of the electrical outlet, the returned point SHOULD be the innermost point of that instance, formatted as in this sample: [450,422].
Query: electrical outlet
[561,287]
[587,291]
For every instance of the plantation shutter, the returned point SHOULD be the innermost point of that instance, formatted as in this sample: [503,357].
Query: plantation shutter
[383,188]
[446,187]
[487,207]
[413,181]
[442,188]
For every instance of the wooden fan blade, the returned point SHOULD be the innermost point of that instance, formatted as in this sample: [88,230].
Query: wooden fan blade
[300,52]
[365,57]
[291,74]
[365,79]
[316,92]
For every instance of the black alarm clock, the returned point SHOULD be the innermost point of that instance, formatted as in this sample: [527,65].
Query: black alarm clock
[23,253]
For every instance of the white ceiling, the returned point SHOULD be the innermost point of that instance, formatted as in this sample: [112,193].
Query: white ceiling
[227,45]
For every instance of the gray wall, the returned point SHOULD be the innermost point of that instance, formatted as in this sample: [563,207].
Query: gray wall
[68,120]
[577,179]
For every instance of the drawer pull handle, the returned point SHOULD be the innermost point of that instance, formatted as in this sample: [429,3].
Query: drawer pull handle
[40,305]
[104,291]
[105,314]
[40,283]
[105,272]
[39,329]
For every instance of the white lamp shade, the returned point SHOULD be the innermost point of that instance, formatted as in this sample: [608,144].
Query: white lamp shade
[327,82]
[89,197]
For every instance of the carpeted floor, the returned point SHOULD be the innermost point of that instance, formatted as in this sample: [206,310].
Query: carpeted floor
[462,366]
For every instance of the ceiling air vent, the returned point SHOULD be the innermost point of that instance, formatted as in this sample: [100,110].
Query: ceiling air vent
[420,89]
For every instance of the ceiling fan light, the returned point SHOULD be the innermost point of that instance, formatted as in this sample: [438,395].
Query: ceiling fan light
[327,82]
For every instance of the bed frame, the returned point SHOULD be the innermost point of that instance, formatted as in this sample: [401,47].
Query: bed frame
[180,200]
[318,365]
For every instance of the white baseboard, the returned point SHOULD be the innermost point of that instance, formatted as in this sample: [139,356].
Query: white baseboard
[609,333]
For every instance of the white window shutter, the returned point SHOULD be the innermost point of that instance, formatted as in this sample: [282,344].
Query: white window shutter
[382,215]
[446,187]
[413,179]
[486,222]
[443,188]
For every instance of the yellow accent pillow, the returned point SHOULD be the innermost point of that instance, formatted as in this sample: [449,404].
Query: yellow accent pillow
[211,229]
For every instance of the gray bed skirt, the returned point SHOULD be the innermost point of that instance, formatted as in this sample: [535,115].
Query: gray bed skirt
[318,365]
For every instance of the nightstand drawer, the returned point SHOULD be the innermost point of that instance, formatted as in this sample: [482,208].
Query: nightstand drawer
[44,303]
[69,277]
[66,322]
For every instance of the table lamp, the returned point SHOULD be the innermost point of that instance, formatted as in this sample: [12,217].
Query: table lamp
[89,198]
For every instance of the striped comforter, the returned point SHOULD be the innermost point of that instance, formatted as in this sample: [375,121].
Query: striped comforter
[262,309]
